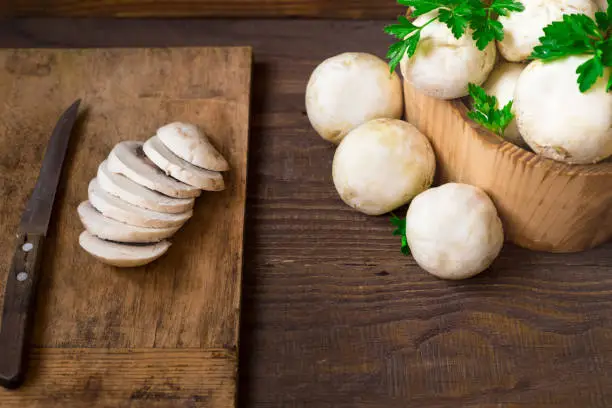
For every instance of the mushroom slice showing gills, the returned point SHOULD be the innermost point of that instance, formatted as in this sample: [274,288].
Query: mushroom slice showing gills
[191,144]
[117,209]
[127,158]
[180,169]
[133,193]
[112,230]
[121,255]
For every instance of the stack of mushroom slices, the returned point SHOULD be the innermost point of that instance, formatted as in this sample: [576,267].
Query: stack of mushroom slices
[144,192]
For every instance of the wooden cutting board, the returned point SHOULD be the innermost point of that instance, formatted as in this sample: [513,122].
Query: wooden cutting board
[164,335]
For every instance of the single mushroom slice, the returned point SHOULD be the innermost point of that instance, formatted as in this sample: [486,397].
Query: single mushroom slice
[112,230]
[180,169]
[127,158]
[191,144]
[133,193]
[121,255]
[117,209]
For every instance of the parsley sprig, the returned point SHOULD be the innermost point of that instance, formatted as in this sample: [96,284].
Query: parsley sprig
[400,229]
[485,110]
[458,15]
[578,34]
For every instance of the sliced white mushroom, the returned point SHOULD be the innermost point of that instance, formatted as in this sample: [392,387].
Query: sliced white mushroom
[127,158]
[117,209]
[133,193]
[112,230]
[180,169]
[121,255]
[191,144]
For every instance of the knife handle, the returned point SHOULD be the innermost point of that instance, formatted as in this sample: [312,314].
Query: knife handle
[19,307]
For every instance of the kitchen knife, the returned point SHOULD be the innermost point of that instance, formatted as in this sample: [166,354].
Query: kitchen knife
[20,291]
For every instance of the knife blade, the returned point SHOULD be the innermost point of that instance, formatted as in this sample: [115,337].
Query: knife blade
[20,291]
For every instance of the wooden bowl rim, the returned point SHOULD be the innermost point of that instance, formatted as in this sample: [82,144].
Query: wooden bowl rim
[597,169]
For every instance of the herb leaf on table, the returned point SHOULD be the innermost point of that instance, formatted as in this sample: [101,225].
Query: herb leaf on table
[485,110]
[458,15]
[400,229]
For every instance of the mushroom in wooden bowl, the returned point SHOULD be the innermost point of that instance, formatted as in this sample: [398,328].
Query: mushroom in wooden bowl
[556,194]
[544,204]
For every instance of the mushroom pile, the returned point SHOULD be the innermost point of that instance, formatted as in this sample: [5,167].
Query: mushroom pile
[382,163]
[143,193]
[549,58]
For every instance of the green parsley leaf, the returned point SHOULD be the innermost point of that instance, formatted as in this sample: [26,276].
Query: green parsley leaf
[485,31]
[603,21]
[505,7]
[402,29]
[456,22]
[457,15]
[400,229]
[409,34]
[486,113]
[589,72]
[578,34]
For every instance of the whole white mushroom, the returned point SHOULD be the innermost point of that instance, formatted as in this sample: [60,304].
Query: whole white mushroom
[501,84]
[381,165]
[453,231]
[556,119]
[349,89]
[443,66]
[522,30]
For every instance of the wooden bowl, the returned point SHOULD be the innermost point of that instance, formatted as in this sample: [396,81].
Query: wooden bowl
[544,205]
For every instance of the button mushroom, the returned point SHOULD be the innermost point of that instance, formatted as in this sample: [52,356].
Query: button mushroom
[133,193]
[453,231]
[191,144]
[348,90]
[556,119]
[501,84]
[112,230]
[381,165]
[128,158]
[522,31]
[122,255]
[180,169]
[117,209]
[443,66]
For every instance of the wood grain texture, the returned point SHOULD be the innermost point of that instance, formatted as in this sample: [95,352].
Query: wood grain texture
[333,315]
[189,298]
[357,9]
[84,378]
[544,205]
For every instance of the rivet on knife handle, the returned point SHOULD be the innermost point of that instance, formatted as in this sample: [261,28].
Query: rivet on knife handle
[19,307]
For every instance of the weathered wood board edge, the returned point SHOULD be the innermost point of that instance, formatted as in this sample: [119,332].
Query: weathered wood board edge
[81,378]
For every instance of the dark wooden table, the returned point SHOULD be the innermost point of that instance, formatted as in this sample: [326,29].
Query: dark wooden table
[333,314]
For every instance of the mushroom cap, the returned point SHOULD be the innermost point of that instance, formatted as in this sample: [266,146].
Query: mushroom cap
[128,158]
[443,66]
[556,119]
[349,89]
[122,255]
[501,84]
[107,228]
[180,169]
[381,165]
[117,209]
[191,144]
[522,30]
[453,231]
[133,193]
